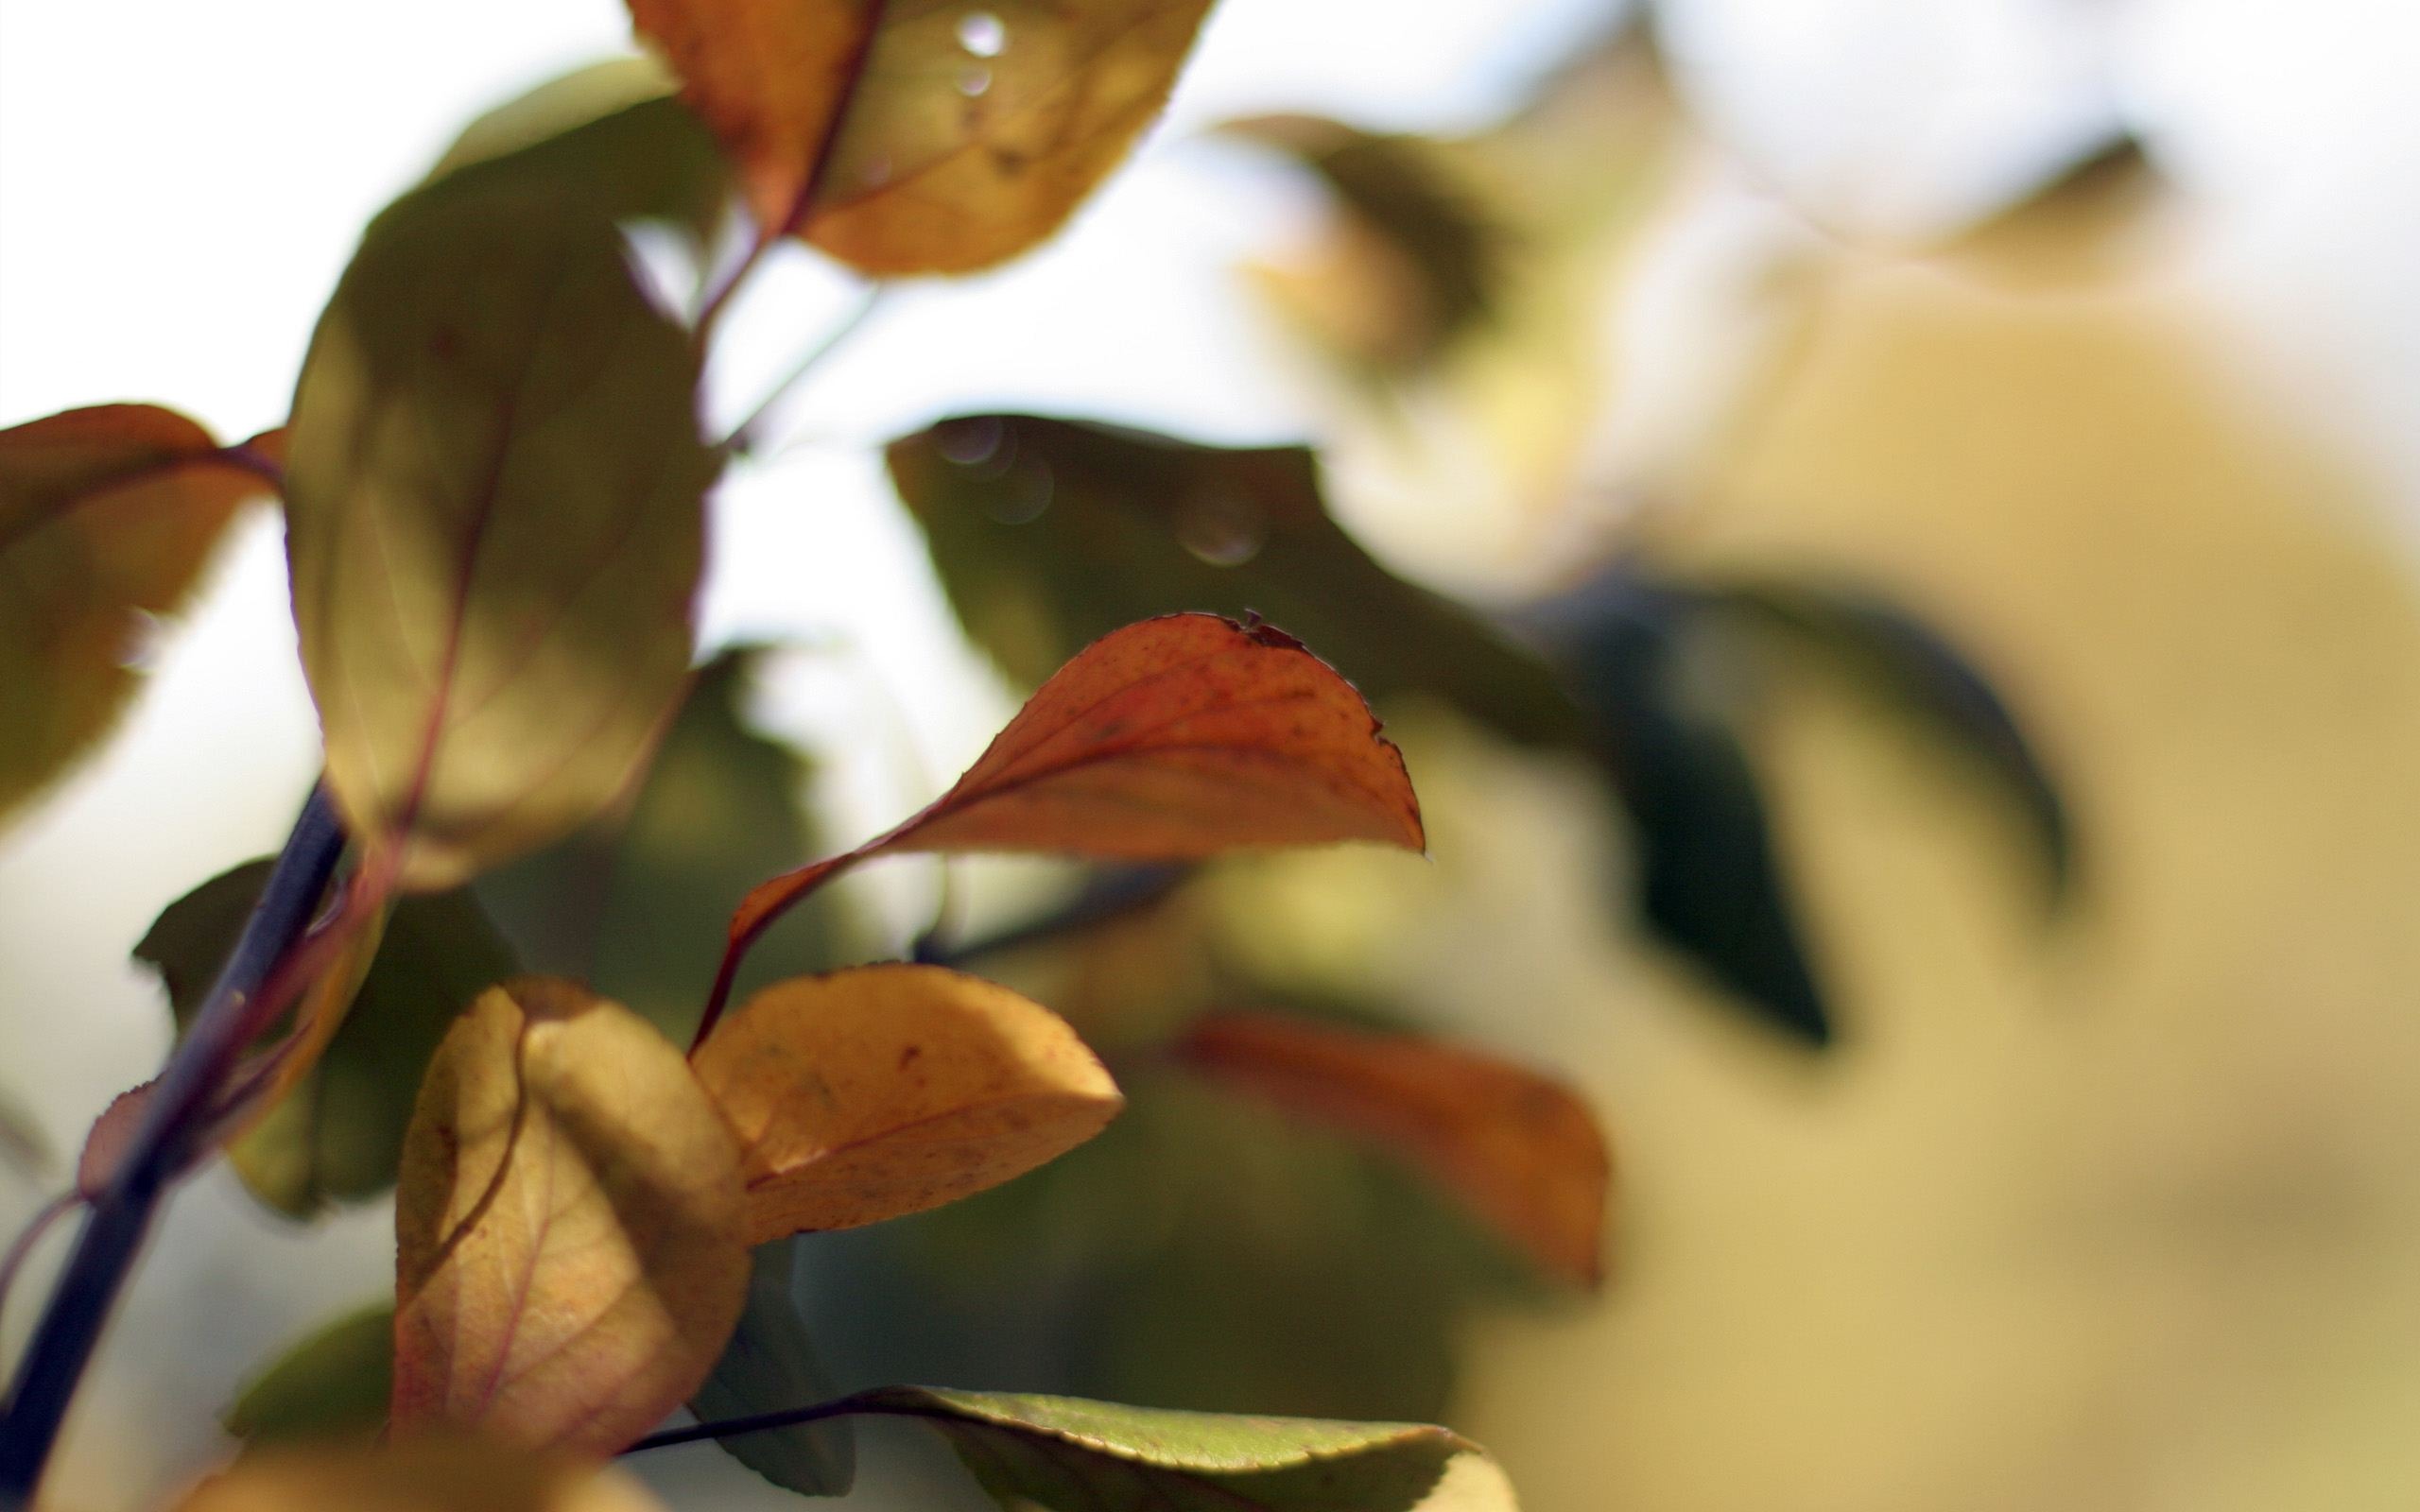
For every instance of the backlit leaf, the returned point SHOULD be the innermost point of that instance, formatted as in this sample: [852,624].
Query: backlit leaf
[426,1476]
[568,1227]
[610,134]
[494,526]
[1177,738]
[1072,1456]
[1518,1148]
[337,1133]
[921,137]
[768,1368]
[891,1089]
[108,515]
[333,1384]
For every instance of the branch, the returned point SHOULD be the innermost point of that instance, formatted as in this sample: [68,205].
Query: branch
[112,1235]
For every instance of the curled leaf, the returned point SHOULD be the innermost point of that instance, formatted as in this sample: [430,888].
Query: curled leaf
[887,1090]
[568,1251]
[1518,1148]
[494,526]
[1072,1456]
[108,515]
[1177,738]
[918,137]
[426,1475]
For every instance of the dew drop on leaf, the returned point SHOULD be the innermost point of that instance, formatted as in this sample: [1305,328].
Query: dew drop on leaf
[974,82]
[981,33]
[1023,495]
[1224,529]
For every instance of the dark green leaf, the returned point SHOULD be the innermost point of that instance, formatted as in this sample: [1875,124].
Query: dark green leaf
[337,1135]
[495,524]
[333,1384]
[1708,880]
[1921,674]
[637,904]
[1049,534]
[768,1368]
[1072,1456]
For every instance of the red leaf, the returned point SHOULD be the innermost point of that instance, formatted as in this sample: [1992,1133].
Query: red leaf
[1520,1149]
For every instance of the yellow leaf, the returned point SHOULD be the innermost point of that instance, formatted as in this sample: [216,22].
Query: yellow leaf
[107,515]
[869,1094]
[426,1476]
[569,1257]
[918,136]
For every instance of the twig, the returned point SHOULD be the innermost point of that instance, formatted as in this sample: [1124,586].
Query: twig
[81,1304]
[743,438]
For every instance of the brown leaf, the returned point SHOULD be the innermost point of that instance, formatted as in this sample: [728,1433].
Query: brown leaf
[1520,1149]
[886,1090]
[107,515]
[919,137]
[424,1475]
[1177,738]
[568,1227]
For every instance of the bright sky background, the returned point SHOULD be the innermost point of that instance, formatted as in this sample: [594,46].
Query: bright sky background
[180,184]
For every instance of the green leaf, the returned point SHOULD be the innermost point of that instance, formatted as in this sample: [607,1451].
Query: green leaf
[108,515]
[1049,534]
[1072,1456]
[333,1384]
[768,1368]
[493,524]
[1914,670]
[636,904]
[1709,881]
[338,1134]
[610,135]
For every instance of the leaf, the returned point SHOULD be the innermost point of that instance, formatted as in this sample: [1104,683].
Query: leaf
[494,526]
[610,134]
[568,1251]
[887,1090]
[917,137]
[768,1368]
[337,1133]
[1072,1456]
[1048,534]
[1708,879]
[1446,253]
[1914,668]
[426,1476]
[1177,738]
[108,515]
[1518,1148]
[634,904]
[333,1384]
[109,1138]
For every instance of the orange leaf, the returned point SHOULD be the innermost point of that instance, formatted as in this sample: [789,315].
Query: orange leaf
[1520,1149]
[107,515]
[875,1093]
[428,1475]
[569,1258]
[1170,740]
[920,137]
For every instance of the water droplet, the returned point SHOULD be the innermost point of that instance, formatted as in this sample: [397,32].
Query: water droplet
[877,173]
[1223,529]
[981,33]
[138,648]
[974,82]
[970,442]
[1023,494]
